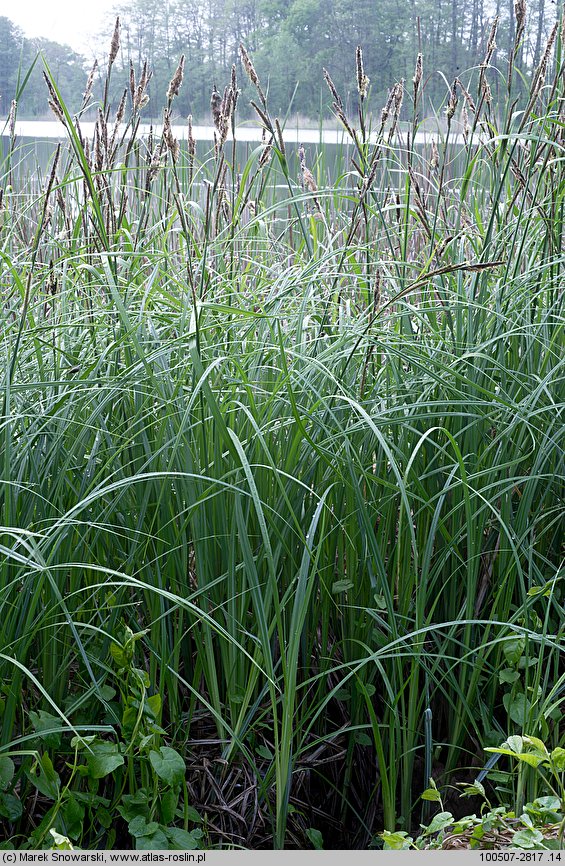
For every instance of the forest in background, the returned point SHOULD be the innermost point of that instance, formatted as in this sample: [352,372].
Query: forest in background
[291,42]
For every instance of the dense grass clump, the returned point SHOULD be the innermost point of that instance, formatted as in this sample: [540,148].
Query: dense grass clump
[282,469]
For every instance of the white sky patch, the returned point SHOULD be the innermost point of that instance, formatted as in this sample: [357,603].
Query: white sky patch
[70,22]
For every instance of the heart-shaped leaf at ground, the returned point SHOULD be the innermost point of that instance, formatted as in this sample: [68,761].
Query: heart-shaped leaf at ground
[148,835]
[168,765]
[528,838]
[183,840]
[156,842]
[138,826]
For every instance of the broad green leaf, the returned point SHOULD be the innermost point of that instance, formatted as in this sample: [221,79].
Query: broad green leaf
[140,798]
[169,801]
[342,586]
[362,739]
[156,842]
[550,804]
[502,778]
[10,807]
[399,841]
[508,675]
[439,822]
[464,824]
[129,721]
[73,813]
[107,692]
[134,805]
[516,707]
[104,817]
[183,840]
[380,601]
[544,810]
[538,745]
[192,815]
[342,695]
[42,774]
[476,789]
[138,826]
[526,820]
[513,650]
[168,765]
[143,677]
[546,590]
[365,688]
[120,656]
[7,770]
[237,694]
[531,759]
[82,742]
[103,759]
[153,704]
[558,758]
[478,833]
[43,721]
[526,757]
[432,794]
[316,838]
[515,743]
[528,838]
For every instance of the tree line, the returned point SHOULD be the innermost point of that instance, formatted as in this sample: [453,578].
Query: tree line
[20,70]
[291,42]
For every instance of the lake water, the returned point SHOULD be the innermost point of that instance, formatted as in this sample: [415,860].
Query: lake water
[35,143]
[52,129]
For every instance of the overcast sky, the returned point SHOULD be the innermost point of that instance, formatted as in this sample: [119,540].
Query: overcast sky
[71,22]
